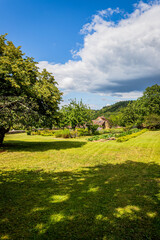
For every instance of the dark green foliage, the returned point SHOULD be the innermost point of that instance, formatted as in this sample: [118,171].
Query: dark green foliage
[150,101]
[75,114]
[62,133]
[148,104]
[152,121]
[93,128]
[27,97]
[77,190]
[82,132]
[110,201]
[116,119]
[29,132]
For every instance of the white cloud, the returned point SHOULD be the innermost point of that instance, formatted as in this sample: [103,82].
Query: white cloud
[131,95]
[116,58]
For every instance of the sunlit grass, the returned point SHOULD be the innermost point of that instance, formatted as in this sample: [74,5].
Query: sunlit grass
[74,189]
[38,152]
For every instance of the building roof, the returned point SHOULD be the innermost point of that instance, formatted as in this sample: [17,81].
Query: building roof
[103,118]
[100,121]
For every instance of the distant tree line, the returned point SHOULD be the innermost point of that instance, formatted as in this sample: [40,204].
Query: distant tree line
[144,112]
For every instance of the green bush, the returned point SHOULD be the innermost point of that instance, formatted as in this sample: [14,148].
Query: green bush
[94,138]
[104,131]
[34,133]
[117,130]
[134,130]
[111,130]
[152,121]
[58,133]
[48,133]
[66,133]
[29,132]
[45,132]
[94,128]
[73,134]
[133,135]
[96,133]
[82,132]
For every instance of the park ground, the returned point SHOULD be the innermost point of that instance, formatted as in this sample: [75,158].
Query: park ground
[73,189]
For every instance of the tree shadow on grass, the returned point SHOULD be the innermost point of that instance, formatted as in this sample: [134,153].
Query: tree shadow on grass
[40,146]
[103,202]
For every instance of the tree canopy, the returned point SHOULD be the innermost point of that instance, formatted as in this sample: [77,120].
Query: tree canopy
[76,114]
[27,96]
[147,105]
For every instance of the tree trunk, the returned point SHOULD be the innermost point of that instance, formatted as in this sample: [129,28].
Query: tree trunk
[2,134]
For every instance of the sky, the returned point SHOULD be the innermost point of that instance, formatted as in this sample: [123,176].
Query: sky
[101,51]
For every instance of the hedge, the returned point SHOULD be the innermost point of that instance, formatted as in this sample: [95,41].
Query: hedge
[133,135]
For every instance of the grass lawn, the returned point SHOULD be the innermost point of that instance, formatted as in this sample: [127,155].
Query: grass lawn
[74,189]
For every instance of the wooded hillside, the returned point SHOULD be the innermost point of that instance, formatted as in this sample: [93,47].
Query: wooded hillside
[111,110]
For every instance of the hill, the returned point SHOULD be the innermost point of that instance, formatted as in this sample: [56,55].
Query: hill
[110,110]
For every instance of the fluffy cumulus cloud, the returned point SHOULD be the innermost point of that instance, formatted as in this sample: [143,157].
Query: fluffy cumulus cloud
[119,58]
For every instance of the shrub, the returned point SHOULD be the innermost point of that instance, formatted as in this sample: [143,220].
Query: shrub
[103,131]
[58,133]
[96,132]
[134,130]
[82,132]
[66,133]
[111,130]
[94,128]
[34,133]
[152,121]
[133,135]
[62,133]
[94,138]
[29,132]
[45,132]
[73,134]
[117,130]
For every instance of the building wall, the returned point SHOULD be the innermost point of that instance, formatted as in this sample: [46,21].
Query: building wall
[107,125]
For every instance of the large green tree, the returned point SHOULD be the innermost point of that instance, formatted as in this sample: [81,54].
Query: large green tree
[76,114]
[27,96]
[149,104]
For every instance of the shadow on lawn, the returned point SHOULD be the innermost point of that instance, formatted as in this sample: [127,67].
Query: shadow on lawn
[103,202]
[40,146]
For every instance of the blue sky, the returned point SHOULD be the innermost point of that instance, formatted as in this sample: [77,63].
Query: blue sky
[49,31]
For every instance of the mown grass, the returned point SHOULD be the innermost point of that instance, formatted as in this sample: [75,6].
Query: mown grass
[74,189]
